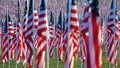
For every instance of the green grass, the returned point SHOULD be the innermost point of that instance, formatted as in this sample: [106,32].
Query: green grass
[61,63]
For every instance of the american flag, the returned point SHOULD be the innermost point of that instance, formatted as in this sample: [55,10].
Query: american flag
[19,42]
[24,49]
[52,35]
[5,41]
[29,35]
[65,38]
[41,32]
[94,52]
[11,39]
[74,27]
[14,39]
[84,31]
[63,41]
[35,27]
[112,37]
[19,37]
[69,58]
[35,19]
[59,36]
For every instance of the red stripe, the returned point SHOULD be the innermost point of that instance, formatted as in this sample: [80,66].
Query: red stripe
[73,11]
[74,19]
[42,15]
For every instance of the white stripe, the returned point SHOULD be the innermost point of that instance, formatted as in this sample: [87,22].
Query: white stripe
[42,12]
[111,22]
[5,43]
[31,44]
[74,15]
[35,17]
[41,26]
[27,54]
[110,40]
[112,48]
[114,57]
[3,53]
[75,23]
[74,7]
[41,47]
[28,31]
[43,19]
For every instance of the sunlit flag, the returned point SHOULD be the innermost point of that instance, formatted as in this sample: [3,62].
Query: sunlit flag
[112,35]
[41,32]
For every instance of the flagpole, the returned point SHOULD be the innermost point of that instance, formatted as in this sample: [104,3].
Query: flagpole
[57,45]
[109,64]
[16,28]
[68,48]
[115,9]
[47,47]
[1,49]
[81,65]
[25,15]
[33,34]
[8,36]
[3,65]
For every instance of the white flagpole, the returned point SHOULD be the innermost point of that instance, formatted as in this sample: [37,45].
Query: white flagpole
[115,9]
[47,46]
[3,65]
[69,8]
[27,15]
[16,29]
[57,45]
[114,5]
[109,64]
[81,65]
[33,34]
[8,37]
[1,50]
[57,58]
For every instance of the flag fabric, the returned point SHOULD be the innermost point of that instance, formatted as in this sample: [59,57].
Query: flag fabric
[41,32]
[112,36]
[84,31]
[55,42]
[64,33]
[4,46]
[52,35]
[94,52]
[74,27]
[14,39]
[5,41]
[69,57]
[29,36]
[19,42]
[35,27]
[11,39]
[24,49]
[19,37]
[35,19]
[59,36]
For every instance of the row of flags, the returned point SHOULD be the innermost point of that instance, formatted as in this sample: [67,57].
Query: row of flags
[68,36]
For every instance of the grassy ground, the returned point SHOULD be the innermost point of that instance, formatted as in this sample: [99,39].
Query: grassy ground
[61,63]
